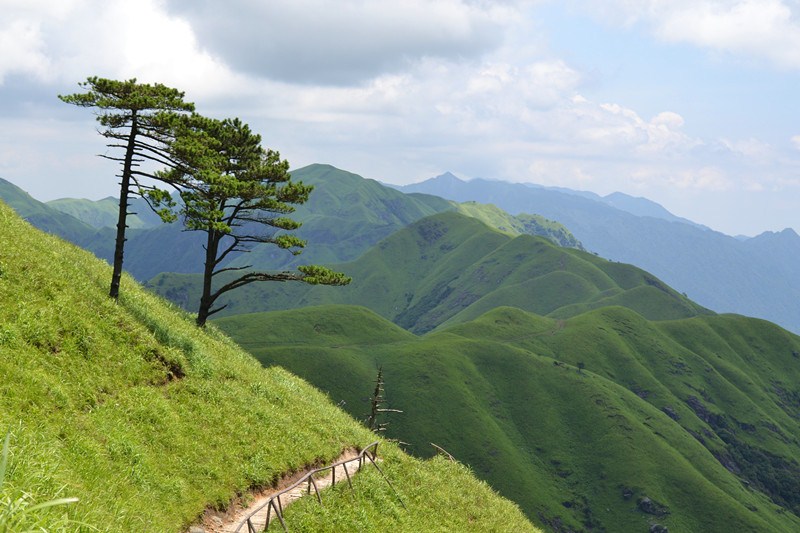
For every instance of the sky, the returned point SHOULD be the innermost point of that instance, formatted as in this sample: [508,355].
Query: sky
[690,103]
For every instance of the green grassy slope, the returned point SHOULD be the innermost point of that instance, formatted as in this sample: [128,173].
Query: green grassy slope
[344,216]
[147,420]
[449,268]
[577,420]
[522,224]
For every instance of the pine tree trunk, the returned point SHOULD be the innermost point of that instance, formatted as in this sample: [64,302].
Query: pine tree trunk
[122,219]
[206,301]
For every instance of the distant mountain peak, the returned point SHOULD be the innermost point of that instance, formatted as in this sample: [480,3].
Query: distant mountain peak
[787,234]
[447,177]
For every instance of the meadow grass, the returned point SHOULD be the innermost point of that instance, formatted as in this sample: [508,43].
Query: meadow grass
[373,505]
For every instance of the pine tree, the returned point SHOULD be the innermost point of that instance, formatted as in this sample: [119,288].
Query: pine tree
[375,405]
[239,194]
[139,119]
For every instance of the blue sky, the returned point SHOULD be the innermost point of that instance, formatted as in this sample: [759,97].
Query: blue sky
[692,104]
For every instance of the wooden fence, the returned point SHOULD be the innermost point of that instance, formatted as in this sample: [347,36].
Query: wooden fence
[274,504]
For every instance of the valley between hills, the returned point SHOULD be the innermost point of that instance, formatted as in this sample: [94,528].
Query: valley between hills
[594,394]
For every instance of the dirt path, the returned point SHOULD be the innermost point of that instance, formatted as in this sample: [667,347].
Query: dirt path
[229,521]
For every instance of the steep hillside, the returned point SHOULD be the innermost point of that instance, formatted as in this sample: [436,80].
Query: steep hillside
[148,420]
[450,268]
[601,422]
[719,272]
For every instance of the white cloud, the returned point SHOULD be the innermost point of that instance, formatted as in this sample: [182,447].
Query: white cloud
[667,119]
[397,92]
[750,29]
[22,45]
[708,178]
[751,148]
[311,41]
[68,41]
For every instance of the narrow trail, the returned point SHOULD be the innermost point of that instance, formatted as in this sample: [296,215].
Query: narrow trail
[230,521]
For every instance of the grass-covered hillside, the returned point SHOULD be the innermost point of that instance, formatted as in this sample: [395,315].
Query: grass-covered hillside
[522,224]
[147,420]
[451,268]
[603,421]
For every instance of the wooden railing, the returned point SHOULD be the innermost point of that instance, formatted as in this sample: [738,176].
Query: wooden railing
[274,503]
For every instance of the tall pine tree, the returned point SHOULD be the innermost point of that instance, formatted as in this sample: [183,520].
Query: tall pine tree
[138,119]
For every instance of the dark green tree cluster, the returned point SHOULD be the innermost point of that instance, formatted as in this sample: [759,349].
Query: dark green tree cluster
[230,187]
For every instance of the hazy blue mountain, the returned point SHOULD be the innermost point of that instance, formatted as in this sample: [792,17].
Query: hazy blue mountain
[103,213]
[642,207]
[755,277]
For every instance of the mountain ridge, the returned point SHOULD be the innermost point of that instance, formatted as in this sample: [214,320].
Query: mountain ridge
[342,219]
[718,271]
[450,267]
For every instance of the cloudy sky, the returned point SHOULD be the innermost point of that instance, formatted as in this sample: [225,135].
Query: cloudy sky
[692,103]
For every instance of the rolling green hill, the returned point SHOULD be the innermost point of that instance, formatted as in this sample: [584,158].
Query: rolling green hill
[604,421]
[450,268]
[148,420]
[522,224]
[344,216]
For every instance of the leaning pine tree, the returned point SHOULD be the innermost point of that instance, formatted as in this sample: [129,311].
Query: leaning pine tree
[239,194]
[137,118]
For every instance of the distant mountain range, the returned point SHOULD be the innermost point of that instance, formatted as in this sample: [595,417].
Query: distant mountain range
[348,214]
[757,277]
[344,216]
